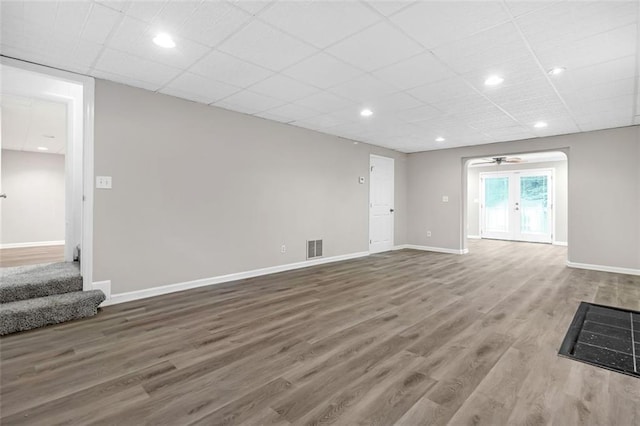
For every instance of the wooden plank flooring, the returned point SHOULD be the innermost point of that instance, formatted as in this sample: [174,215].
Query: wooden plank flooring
[31,255]
[405,337]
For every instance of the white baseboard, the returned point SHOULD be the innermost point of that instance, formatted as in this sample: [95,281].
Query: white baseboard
[33,244]
[603,268]
[560,243]
[172,288]
[474,237]
[435,249]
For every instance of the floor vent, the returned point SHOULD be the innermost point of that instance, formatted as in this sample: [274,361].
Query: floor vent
[606,337]
[314,249]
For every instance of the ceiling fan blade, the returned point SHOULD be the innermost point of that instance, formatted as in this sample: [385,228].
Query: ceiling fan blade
[513,160]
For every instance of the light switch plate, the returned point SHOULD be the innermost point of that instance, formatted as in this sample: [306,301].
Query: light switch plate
[445,199]
[103,182]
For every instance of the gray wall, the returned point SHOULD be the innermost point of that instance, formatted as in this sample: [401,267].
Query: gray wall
[200,191]
[34,208]
[604,193]
[559,188]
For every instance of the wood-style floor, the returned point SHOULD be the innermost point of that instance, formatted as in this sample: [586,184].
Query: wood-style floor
[406,337]
[31,255]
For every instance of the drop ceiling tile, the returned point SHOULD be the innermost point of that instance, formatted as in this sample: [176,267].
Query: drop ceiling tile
[266,46]
[325,121]
[322,70]
[320,23]
[253,7]
[376,47]
[362,89]
[71,18]
[619,105]
[100,23]
[199,88]
[486,50]
[249,102]
[445,90]
[604,90]
[416,71]
[227,69]
[419,114]
[566,21]
[40,13]
[288,113]
[435,23]
[394,102]
[117,5]
[388,7]
[171,18]
[213,22]
[120,63]
[105,75]
[324,102]
[602,47]
[581,78]
[284,88]
[145,10]
[522,92]
[136,38]
[519,7]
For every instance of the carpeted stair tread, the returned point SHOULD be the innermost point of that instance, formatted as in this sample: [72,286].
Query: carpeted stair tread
[33,313]
[27,282]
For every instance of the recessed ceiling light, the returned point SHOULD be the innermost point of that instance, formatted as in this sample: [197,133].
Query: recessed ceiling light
[493,80]
[556,70]
[440,139]
[164,40]
[540,125]
[366,112]
[43,148]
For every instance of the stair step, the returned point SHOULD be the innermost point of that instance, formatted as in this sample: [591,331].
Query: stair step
[28,282]
[33,313]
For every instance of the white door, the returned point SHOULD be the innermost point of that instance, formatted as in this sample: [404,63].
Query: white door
[517,206]
[380,204]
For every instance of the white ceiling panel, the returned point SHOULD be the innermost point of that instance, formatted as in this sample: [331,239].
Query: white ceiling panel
[249,102]
[199,89]
[266,46]
[322,71]
[308,20]
[420,66]
[375,47]
[283,88]
[416,71]
[213,22]
[436,23]
[227,69]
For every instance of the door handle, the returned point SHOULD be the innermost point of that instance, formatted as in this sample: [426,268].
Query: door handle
[3,195]
[391,210]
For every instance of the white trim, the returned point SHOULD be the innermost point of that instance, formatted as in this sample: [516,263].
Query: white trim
[474,237]
[603,268]
[560,243]
[434,249]
[33,244]
[172,288]
[105,286]
[88,95]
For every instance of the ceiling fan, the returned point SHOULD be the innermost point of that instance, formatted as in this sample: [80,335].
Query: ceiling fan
[500,160]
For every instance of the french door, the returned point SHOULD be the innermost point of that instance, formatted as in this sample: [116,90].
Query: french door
[517,206]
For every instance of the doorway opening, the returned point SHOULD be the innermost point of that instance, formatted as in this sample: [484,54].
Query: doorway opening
[47,165]
[521,197]
[381,203]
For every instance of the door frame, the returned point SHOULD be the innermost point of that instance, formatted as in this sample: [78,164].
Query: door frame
[393,164]
[550,172]
[80,151]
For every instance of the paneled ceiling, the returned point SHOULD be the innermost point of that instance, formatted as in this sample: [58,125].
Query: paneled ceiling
[420,67]
[33,125]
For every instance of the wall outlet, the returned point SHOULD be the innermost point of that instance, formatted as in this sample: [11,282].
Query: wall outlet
[428,233]
[361,179]
[283,249]
[103,182]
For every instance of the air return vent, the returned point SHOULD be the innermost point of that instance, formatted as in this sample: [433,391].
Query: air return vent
[314,249]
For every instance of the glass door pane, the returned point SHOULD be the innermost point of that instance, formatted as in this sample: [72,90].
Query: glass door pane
[534,208]
[496,204]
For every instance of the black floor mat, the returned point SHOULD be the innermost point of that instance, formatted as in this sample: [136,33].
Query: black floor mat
[605,337]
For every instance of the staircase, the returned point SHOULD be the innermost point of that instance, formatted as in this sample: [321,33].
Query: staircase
[40,295]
